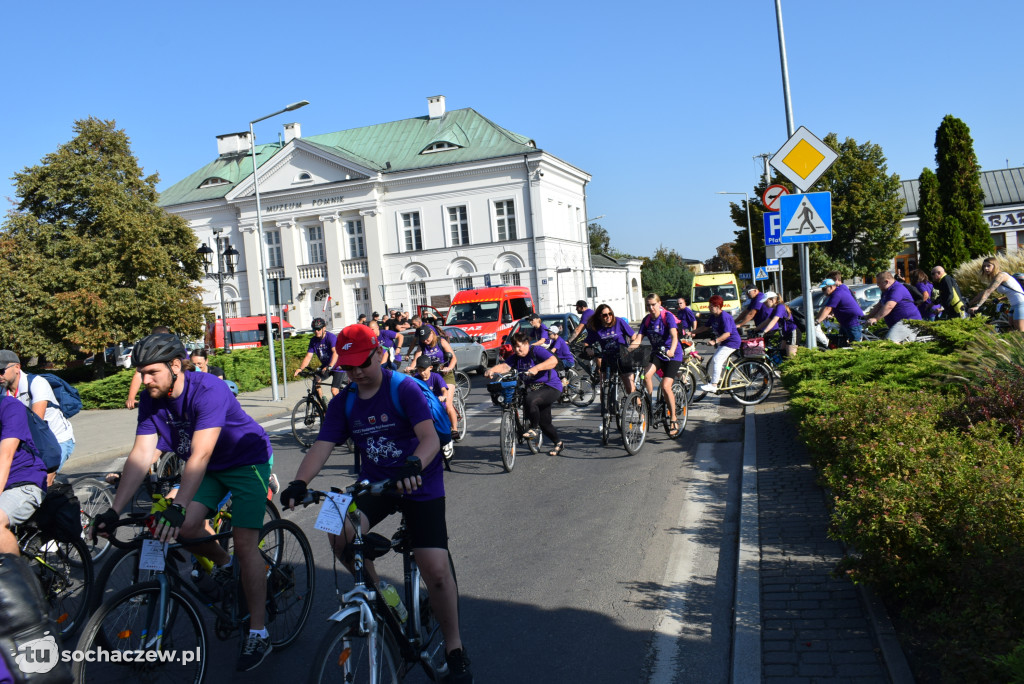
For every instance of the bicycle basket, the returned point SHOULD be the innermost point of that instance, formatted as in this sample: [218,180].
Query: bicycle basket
[753,347]
[502,391]
[635,358]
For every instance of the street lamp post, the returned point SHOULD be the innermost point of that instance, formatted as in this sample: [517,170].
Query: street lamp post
[264,259]
[225,269]
[750,233]
[590,259]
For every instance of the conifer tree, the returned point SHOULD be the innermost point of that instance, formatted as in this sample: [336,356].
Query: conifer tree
[959,176]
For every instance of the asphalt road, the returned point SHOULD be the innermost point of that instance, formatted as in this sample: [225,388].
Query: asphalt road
[593,566]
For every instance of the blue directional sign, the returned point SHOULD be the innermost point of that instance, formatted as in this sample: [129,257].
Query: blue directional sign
[806,218]
[773,266]
[760,273]
[744,276]
[772,228]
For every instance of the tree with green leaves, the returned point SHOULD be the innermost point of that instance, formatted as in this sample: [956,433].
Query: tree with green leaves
[939,242]
[666,274]
[959,176]
[600,241]
[866,213]
[94,261]
[724,260]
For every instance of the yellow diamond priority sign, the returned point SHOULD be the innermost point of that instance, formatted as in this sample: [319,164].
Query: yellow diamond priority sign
[804,158]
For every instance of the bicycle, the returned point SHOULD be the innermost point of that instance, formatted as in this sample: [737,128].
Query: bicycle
[509,392]
[462,384]
[94,496]
[366,640]
[641,410]
[613,398]
[163,615]
[308,414]
[748,379]
[448,450]
[577,388]
[65,573]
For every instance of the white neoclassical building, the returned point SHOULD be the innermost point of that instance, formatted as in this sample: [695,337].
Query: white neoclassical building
[397,215]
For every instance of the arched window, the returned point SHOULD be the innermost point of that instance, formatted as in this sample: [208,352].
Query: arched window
[303,177]
[213,181]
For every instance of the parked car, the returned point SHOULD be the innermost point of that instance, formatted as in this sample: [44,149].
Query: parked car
[866,295]
[125,358]
[470,354]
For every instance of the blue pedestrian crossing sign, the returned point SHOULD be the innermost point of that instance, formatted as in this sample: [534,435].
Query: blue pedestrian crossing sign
[806,218]
[760,273]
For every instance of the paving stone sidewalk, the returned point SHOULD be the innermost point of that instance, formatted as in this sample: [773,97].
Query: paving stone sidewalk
[814,627]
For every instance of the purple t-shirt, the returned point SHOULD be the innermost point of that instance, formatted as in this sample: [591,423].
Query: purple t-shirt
[25,466]
[611,337]
[538,334]
[586,316]
[686,318]
[206,402]
[533,357]
[561,350]
[905,307]
[436,384]
[785,324]
[384,437]
[387,339]
[434,353]
[724,323]
[845,307]
[925,307]
[323,347]
[658,331]
[757,305]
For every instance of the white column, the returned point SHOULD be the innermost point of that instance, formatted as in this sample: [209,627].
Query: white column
[375,259]
[254,304]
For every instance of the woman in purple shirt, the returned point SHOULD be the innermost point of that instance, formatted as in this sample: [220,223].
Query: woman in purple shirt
[662,329]
[611,333]
[544,386]
[780,319]
[727,339]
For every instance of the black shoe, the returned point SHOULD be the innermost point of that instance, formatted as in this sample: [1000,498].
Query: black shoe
[455,436]
[254,651]
[458,667]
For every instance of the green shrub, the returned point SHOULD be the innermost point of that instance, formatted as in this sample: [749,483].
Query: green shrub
[110,392]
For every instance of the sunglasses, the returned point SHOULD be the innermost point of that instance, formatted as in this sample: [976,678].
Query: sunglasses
[607,315]
[364,364]
[4,369]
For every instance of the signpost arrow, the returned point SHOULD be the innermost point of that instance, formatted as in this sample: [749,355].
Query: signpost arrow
[771,196]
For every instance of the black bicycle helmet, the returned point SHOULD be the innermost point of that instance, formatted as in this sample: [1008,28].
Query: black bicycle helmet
[319,324]
[158,348]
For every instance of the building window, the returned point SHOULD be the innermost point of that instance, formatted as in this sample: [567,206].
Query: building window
[417,294]
[439,147]
[223,244]
[458,224]
[212,182]
[510,279]
[356,245]
[361,294]
[505,212]
[273,240]
[411,226]
[464,283]
[317,253]
[231,309]
[1000,240]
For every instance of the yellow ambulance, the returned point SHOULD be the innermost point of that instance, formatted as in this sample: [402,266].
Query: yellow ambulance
[706,285]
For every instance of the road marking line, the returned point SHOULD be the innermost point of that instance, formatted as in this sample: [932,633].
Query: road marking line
[273,422]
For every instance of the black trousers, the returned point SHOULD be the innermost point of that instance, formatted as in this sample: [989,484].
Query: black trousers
[538,410]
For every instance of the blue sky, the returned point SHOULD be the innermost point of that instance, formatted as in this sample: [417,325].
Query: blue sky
[664,103]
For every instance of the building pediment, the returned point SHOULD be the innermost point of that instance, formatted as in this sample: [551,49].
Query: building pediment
[301,165]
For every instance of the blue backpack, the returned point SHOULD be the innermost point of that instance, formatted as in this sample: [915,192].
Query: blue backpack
[70,402]
[442,424]
[47,449]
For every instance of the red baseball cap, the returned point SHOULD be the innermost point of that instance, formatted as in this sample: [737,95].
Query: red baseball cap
[355,342]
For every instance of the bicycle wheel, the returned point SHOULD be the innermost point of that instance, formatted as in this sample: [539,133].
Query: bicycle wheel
[581,390]
[291,577]
[755,381]
[697,377]
[65,572]
[679,394]
[462,385]
[508,440]
[306,418]
[344,654]
[122,571]
[131,622]
[634,422]
[94,497]
[460,414]
[169,466]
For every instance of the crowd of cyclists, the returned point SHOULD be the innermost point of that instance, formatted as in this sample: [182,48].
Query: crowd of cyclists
[186,409]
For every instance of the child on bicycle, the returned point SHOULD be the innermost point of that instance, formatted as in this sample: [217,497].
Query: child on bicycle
[444,392]
[387,437]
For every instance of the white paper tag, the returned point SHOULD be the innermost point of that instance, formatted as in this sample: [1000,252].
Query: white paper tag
[332,513]
[153,554]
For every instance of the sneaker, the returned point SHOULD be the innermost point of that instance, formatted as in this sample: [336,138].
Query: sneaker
[709,387]
[458,667]
[273,484]
[223,574]
[254,651]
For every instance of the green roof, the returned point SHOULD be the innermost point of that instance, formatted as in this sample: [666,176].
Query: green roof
[399,144]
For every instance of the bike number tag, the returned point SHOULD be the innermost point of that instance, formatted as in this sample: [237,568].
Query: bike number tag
[152,556]
[332,513]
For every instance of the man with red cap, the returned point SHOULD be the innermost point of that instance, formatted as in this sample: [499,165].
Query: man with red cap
[387,436]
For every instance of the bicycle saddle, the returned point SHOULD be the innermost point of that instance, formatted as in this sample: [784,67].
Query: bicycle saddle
[376,545]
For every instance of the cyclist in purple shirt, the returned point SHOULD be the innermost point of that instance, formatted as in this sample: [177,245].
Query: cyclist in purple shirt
[662,329]
[611,333]
[844,306]
[727,339]
[537,331]
[196,416]
[22,473]
[543,390]
[444,392]
[895,306]
[686,317]
[322,347]
[585,313]
[560,348]
[387,436]
[755,309]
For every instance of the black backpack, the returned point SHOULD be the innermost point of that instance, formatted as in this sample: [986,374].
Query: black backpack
[25,624]
[60,513]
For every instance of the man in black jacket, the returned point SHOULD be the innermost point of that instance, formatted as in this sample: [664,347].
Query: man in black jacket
[947,294]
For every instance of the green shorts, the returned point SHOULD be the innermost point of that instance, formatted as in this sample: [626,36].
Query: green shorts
[248,487]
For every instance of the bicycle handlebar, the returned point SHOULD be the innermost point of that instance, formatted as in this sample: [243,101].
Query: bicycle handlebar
[141,520]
